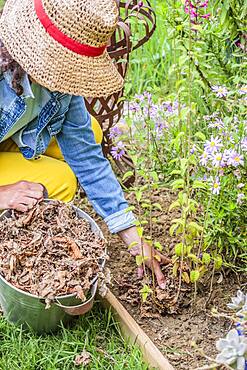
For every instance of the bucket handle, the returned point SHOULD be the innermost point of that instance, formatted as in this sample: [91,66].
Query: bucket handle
[82,308]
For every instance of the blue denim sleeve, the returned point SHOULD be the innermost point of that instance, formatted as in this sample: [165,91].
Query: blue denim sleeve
[94,172]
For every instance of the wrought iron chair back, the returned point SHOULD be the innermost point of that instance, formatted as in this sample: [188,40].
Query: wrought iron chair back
[108,110]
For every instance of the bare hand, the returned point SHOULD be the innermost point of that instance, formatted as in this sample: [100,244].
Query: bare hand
[153,258]
[21,196]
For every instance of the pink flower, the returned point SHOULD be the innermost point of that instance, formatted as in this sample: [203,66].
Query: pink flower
[195,10]
[206,16]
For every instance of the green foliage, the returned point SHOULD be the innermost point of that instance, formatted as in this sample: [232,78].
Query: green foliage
[195,81]
[96,333]
[145,292]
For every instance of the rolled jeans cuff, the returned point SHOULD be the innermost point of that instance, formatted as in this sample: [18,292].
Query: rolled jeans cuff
[120,221]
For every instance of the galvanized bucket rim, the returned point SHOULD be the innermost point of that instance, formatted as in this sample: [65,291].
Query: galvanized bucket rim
[72,295]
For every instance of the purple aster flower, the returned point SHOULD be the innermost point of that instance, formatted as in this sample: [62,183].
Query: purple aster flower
[204,158]
[218,123]
[115,132]
[153,111]
[193,149]
[240,198]
[134,107]
[212,116]
[220,91]
[244,144]
[243,90]
[216,186]
[217,160]
[213,145]
[160,127]
[240,186]
[118,151]
[175,104]
[139,98]
[148,96]
[168,106]
[235,159]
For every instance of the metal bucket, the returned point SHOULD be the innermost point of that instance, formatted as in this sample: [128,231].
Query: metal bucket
[29,310]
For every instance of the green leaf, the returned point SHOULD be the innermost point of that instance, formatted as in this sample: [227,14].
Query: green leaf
[200,136]
[175,269]
[155,176]
[158,246]
[175,172]
[193,257]
[145,291]
[186,277]
[158,206]
[129,209]
[173,228]
[138,195]
[199,185]
[194,276]
[127,175]
[140,260]
[157,257]
[194,227]
[178,184]
[174,205]
[206,258]
[132,245]
[179,249]
[140,231]
[218,262]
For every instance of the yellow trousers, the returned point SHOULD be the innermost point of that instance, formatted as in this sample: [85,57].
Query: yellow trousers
[49,170]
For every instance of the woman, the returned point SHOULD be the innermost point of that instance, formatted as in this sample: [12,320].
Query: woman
[52,53]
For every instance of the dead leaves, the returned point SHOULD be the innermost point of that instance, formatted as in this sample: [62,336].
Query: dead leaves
[50,251]
[83,359]
[73,247]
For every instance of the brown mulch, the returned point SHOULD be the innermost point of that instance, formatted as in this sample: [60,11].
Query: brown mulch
[49,251]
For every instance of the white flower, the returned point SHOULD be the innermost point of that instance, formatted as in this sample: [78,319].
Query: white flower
[239,301]
[233,350]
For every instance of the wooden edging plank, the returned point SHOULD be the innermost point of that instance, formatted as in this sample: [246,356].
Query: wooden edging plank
[132,331]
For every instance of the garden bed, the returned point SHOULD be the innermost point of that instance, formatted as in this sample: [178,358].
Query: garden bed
[186,332]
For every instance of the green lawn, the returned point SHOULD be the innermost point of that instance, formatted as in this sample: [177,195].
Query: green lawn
[96,333]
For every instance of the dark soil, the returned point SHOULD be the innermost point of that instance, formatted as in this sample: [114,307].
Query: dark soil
[185,332]
[49,251]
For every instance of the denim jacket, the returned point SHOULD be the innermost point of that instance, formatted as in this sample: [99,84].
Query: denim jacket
[66,117]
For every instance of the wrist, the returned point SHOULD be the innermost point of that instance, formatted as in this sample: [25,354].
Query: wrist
[132,240]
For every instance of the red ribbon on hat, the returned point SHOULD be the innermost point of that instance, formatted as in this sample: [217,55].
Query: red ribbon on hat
[59,36]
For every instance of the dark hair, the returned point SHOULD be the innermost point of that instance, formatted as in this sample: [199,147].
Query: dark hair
[7,63]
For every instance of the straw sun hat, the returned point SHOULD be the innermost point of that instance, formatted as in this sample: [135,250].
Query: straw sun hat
[62,44]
